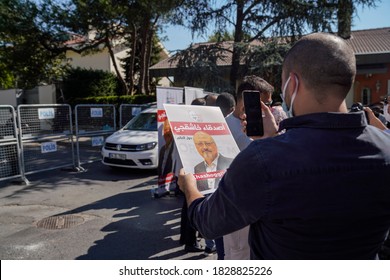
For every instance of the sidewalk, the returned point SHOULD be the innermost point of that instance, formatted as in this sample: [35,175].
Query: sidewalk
[98,214]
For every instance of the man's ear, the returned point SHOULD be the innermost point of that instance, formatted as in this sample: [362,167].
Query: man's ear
[294,80]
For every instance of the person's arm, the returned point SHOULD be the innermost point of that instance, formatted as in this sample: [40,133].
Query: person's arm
[373,120]
[238,201]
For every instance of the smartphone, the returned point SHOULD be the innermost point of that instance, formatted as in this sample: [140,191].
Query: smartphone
[253,113]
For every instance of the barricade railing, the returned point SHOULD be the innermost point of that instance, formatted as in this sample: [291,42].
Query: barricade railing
[46,137]
[10,162]
[93,123]
[129,111]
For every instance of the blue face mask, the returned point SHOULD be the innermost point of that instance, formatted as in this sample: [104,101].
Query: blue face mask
[289,111]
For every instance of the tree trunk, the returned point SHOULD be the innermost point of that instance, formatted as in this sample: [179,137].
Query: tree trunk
[147,62]
[344,18]
[144,47]
[238,35]
[125,89]
[133,46]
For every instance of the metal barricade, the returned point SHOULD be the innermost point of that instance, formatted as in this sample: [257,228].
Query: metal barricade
[94,122]
[10,164]
[128,111]
[46,137]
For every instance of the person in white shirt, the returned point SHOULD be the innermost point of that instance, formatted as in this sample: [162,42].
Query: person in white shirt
[236,243]
[234,120]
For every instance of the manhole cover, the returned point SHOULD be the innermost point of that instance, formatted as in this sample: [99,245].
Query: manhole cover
[60,222]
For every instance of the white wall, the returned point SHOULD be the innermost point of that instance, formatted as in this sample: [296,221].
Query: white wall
[8,97]
[165,82]
[47,94]
[96,61]
[119,55]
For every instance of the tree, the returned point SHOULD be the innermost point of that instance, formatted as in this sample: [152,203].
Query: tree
[198,66]
[7,80]
[131,63]
[220,36]
[81,83]
[265,60]
[135,21]
[99,21]
[42,30]
[20,52]
[268,18]
[152,14]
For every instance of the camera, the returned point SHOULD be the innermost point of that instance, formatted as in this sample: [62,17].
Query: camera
[356,107]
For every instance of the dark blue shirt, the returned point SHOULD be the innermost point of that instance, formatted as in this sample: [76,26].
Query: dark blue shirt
[321,190]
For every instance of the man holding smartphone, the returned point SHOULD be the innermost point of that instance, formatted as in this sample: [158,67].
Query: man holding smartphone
[319,190]
[249,83]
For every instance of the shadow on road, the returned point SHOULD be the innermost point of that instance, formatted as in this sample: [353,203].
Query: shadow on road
[122,220]
[60,178]
[144,228]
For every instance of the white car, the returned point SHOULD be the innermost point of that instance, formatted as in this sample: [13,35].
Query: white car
[135,145]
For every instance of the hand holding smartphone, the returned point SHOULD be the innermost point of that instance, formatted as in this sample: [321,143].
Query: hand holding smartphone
[254,118]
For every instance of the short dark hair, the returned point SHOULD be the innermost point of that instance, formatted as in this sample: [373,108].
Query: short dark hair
[210,99]
[226,102]
[325,62]
[253,82]
[199,101]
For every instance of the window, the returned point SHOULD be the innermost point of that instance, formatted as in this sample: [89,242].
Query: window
[366,96]
[143,121]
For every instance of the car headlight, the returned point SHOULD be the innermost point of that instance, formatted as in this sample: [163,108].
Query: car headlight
[147,146]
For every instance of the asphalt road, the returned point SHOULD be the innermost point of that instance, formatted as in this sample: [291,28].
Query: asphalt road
[98,214]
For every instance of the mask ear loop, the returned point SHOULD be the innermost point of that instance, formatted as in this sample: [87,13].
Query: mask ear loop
[284,89]
[290,111]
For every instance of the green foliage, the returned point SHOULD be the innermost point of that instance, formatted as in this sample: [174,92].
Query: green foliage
[33,34]
[258,19]
[221,36]
[7,80]
[266,61]
[82,83]
[197,66]
[116,100]
[20,49]
[155,57]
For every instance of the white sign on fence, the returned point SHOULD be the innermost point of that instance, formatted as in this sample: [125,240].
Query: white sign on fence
[96,112]
[97,141]
[48,147]
[135,111]
[46,113]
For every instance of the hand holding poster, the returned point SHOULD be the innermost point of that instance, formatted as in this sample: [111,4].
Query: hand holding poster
[204,142]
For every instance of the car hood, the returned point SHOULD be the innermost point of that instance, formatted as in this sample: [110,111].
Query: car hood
[132,137]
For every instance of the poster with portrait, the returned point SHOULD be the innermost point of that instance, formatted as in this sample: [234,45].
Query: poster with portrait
[166,178]
[204,142]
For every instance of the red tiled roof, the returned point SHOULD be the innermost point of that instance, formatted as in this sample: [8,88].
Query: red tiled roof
[224,60]
[370,41]
[226,48]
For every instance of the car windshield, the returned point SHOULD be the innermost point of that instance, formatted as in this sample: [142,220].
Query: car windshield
[143,121]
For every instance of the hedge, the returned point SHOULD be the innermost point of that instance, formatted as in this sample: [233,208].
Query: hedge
[117,100]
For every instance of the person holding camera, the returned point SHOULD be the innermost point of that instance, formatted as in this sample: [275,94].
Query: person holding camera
[318,191]
[386,110]
[374,120]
